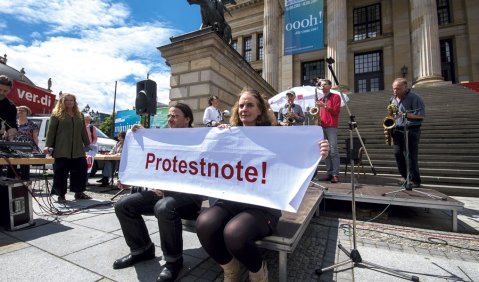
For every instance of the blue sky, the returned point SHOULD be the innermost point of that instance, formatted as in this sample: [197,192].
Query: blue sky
[85,46]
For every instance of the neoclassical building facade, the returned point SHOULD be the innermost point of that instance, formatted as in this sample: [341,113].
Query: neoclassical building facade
[371,41]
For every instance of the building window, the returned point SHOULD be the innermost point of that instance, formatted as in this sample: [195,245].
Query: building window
[443,12]
[311,70]
[447,60]
[367,22]
[234,44]
[260,51]
[368,72]
[247,43]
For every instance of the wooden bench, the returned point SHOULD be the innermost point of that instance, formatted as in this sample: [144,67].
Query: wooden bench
[290,229]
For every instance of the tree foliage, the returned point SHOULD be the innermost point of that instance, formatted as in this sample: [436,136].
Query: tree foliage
[106,125]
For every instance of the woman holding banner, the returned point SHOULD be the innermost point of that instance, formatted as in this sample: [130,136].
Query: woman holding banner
[227,230]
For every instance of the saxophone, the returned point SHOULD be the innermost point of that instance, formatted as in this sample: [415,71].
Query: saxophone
[287,117]
[314,111]
[389,122]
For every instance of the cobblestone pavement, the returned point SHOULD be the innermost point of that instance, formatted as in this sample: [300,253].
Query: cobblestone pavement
[413,232]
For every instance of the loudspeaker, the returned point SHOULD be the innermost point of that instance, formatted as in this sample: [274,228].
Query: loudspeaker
[16,204]
[146,99]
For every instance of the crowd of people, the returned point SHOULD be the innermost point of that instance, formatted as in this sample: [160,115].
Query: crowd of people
[226,229]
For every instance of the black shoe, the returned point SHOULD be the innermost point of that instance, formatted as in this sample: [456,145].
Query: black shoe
[407,186]
[130,259]
[171,271]
[104,182]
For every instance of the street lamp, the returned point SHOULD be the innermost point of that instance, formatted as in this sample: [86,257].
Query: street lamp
[404,71]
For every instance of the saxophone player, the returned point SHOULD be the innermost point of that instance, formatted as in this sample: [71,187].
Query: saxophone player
[411,112]
[291,113]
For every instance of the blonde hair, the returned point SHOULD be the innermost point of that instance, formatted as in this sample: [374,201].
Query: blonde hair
[25,108]
[262,105]
[60,111]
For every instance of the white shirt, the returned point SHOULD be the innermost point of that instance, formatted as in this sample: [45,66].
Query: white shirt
[211,114]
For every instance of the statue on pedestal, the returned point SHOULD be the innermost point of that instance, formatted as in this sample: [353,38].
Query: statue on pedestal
[212,14]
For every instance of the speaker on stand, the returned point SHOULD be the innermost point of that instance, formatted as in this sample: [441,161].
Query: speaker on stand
[146,100]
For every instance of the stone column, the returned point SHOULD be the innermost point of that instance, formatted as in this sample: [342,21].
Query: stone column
[270,37]
[425,42]
[337,39]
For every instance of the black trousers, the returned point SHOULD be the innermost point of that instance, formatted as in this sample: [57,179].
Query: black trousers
[228,230]
[168,210]
[414,134]
[76,168]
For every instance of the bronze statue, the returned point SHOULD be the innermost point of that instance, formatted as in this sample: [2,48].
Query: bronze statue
[213,15]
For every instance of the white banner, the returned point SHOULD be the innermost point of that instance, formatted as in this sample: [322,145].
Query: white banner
[268,166]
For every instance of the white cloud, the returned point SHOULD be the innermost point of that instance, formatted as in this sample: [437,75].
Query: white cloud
[89,62]
[10,39]
[67,15]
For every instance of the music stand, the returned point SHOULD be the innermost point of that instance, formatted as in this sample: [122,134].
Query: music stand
[354,256]
[406,186]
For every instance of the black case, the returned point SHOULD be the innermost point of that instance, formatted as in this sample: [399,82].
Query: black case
[15,204]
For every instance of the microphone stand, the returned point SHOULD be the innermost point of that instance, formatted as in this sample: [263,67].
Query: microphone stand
[354,256]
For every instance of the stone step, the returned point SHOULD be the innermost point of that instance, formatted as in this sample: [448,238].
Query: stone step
[429,164]
[467,159]
[425,150]
[434,172]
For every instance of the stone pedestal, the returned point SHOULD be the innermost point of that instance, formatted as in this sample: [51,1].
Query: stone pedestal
[202,64]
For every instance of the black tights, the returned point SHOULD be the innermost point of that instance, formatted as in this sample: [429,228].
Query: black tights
[225,234]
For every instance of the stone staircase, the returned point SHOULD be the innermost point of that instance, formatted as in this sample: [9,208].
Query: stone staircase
[449,148]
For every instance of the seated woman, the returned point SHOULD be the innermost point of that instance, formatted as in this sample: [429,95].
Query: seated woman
[227,230]
[27,129]
[110,166]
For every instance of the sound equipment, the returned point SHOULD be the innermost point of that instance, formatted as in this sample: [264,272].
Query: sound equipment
[15,204]
[146,99]
[16,149]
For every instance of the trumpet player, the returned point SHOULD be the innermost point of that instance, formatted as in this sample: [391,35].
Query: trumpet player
[329,107]
[411,112]
[291,113]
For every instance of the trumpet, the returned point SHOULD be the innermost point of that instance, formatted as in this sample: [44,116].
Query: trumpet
[389,122]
